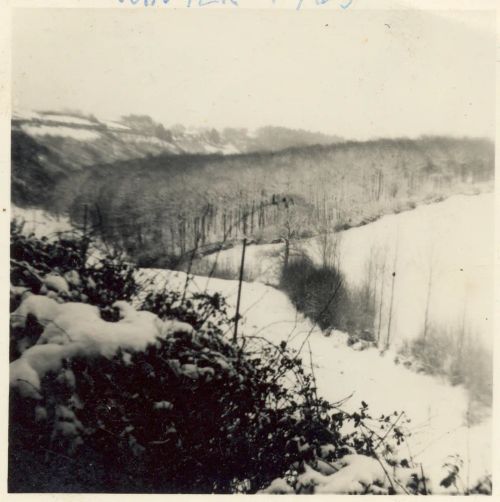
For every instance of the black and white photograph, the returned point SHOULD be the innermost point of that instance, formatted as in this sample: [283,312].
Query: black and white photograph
[251,247]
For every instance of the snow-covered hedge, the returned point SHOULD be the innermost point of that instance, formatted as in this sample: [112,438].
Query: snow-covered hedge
[156,398]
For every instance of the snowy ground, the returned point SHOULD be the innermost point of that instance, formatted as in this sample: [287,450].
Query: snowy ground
[461,248]
[450,243]
[40,222]
[437,410]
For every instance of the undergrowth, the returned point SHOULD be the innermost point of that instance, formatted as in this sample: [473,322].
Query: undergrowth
[458,357]
[320,292]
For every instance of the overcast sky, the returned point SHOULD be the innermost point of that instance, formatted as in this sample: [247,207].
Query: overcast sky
[358,74]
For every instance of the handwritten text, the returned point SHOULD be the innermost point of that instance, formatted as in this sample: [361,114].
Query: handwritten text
[298,4]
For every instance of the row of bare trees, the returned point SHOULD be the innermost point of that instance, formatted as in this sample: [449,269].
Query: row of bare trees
[163,206]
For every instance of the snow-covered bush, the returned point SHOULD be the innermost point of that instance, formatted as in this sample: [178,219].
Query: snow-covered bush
[160,400]
[63,265]
[190,413]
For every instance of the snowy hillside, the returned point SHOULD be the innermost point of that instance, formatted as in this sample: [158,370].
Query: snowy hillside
[450,242]
[141,131]
[439,424]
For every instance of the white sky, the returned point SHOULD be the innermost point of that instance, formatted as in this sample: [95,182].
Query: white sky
[358,74]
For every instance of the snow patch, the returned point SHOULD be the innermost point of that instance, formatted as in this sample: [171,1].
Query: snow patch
[229,149]
[56,283]
[211,148]
[357,473]
[279,486]
[61,132]
[26,115]
[40,222]
[77,329]
[67,119]
[115,126]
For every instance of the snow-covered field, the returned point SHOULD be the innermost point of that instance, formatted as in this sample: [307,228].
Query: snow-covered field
[78,128]
[447,245]
[60,131]
[444,249]
[115,126]
[68,119]
[437,410]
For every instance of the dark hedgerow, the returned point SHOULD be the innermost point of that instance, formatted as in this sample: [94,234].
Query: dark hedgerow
[193,413]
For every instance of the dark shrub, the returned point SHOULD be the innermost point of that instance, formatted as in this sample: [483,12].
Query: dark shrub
[322,295]
[193,413]
[318,292]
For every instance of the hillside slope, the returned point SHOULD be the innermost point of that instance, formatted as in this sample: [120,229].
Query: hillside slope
[163,207]
[46,146]
[163,193]
[442,242]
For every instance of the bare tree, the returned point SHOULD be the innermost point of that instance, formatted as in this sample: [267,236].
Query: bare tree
[327,243]
[291,225]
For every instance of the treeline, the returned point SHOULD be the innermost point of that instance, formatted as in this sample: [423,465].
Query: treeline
[169,205]
[161,208]
[39,159]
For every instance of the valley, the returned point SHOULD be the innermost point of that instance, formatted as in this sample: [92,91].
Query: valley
[398,233]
